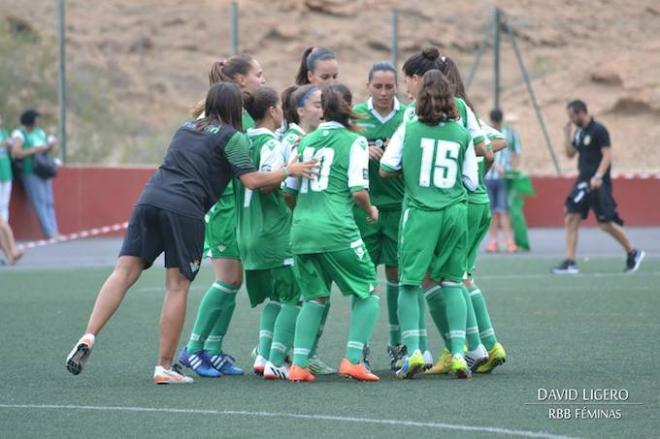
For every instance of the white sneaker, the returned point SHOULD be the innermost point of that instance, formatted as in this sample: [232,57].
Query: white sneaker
[170,376]
[259,365]
[428,360]
[476,357]
[79,354]
[272,372]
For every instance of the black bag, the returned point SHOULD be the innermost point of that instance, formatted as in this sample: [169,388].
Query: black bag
[44,165]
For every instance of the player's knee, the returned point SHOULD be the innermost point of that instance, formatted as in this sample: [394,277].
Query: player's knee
[605,226]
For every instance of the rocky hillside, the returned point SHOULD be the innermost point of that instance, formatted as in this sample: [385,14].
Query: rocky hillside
[135,68]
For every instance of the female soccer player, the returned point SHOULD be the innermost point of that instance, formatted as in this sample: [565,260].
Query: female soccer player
[437,159]
[169,217]
[381,115]
[484,352]
[264,222]
[302,114]
[326,242]
[318,66]
[203,353]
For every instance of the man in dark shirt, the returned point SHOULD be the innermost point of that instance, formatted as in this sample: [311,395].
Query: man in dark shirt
[593,188]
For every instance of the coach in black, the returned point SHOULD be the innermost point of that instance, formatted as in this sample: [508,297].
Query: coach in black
[593,188]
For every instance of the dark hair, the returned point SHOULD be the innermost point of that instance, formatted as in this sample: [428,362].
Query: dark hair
[345,93]
[383,66]
[578,106]
[449,68]
[294,97]
[259,101]
[435,101]
[224,104]
[496,115]
[422,62]
[310,58]
[336,108]
[225,70]
[29,117]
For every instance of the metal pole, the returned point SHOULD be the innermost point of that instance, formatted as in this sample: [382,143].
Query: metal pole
[537,109]
[496,58]
[234,28]
[394,49]
[61,82]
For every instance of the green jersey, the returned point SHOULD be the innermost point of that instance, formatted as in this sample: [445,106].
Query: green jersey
[384,193]
[264,220]
[438,162]
[290,140]
[323,218]
[5,160]
[30,139]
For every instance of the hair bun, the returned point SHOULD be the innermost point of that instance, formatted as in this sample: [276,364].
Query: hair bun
[431,53]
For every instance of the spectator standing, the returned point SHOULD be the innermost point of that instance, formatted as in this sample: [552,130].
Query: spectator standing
[505,160]
[5,173]
[29,140]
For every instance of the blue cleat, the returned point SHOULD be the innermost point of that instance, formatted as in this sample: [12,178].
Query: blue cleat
[199,363]
[224,364]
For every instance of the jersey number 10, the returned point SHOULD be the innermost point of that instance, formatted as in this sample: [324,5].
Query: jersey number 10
[324,157]
[439,157]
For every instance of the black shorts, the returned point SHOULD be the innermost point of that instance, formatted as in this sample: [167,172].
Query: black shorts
[581,199]
[152,231]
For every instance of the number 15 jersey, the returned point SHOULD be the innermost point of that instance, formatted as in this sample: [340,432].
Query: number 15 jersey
[323,218]
[438,163]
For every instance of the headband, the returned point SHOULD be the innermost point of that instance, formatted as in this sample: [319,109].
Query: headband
[305,96]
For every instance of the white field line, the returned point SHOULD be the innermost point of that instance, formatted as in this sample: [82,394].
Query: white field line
[394,422]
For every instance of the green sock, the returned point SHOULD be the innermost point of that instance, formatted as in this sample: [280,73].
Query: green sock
[486,331]
[456,316]
[423,335]
[266,325]
[324,317]
[438,311]
[285,328]
[392,315]
[364,315]
[209,310]
[471,328]
[213,344]
[409,316]
[307,329]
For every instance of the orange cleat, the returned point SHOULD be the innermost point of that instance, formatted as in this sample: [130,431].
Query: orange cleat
[299,374]
[356,371]
[492,247]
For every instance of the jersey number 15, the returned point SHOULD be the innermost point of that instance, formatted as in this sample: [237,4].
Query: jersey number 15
[440,158]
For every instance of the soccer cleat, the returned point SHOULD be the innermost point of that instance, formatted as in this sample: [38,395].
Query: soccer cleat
[396,354]
[259,365]
[568,266]
[199,363]
[300,374]
[633,260]
[428,359]
[443,365]
[272,372]
[476,357]
[356,371]
[78,356]
[224,363]
[459,367]
[496,357]
[318,366]
[492,246]
[170,376]
[411,365]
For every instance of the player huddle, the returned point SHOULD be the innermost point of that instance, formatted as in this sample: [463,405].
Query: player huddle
[323,192]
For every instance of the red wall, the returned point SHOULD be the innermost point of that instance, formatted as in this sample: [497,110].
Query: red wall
[88,197]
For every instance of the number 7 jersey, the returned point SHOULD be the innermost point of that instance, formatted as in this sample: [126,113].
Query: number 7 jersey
[323,218]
